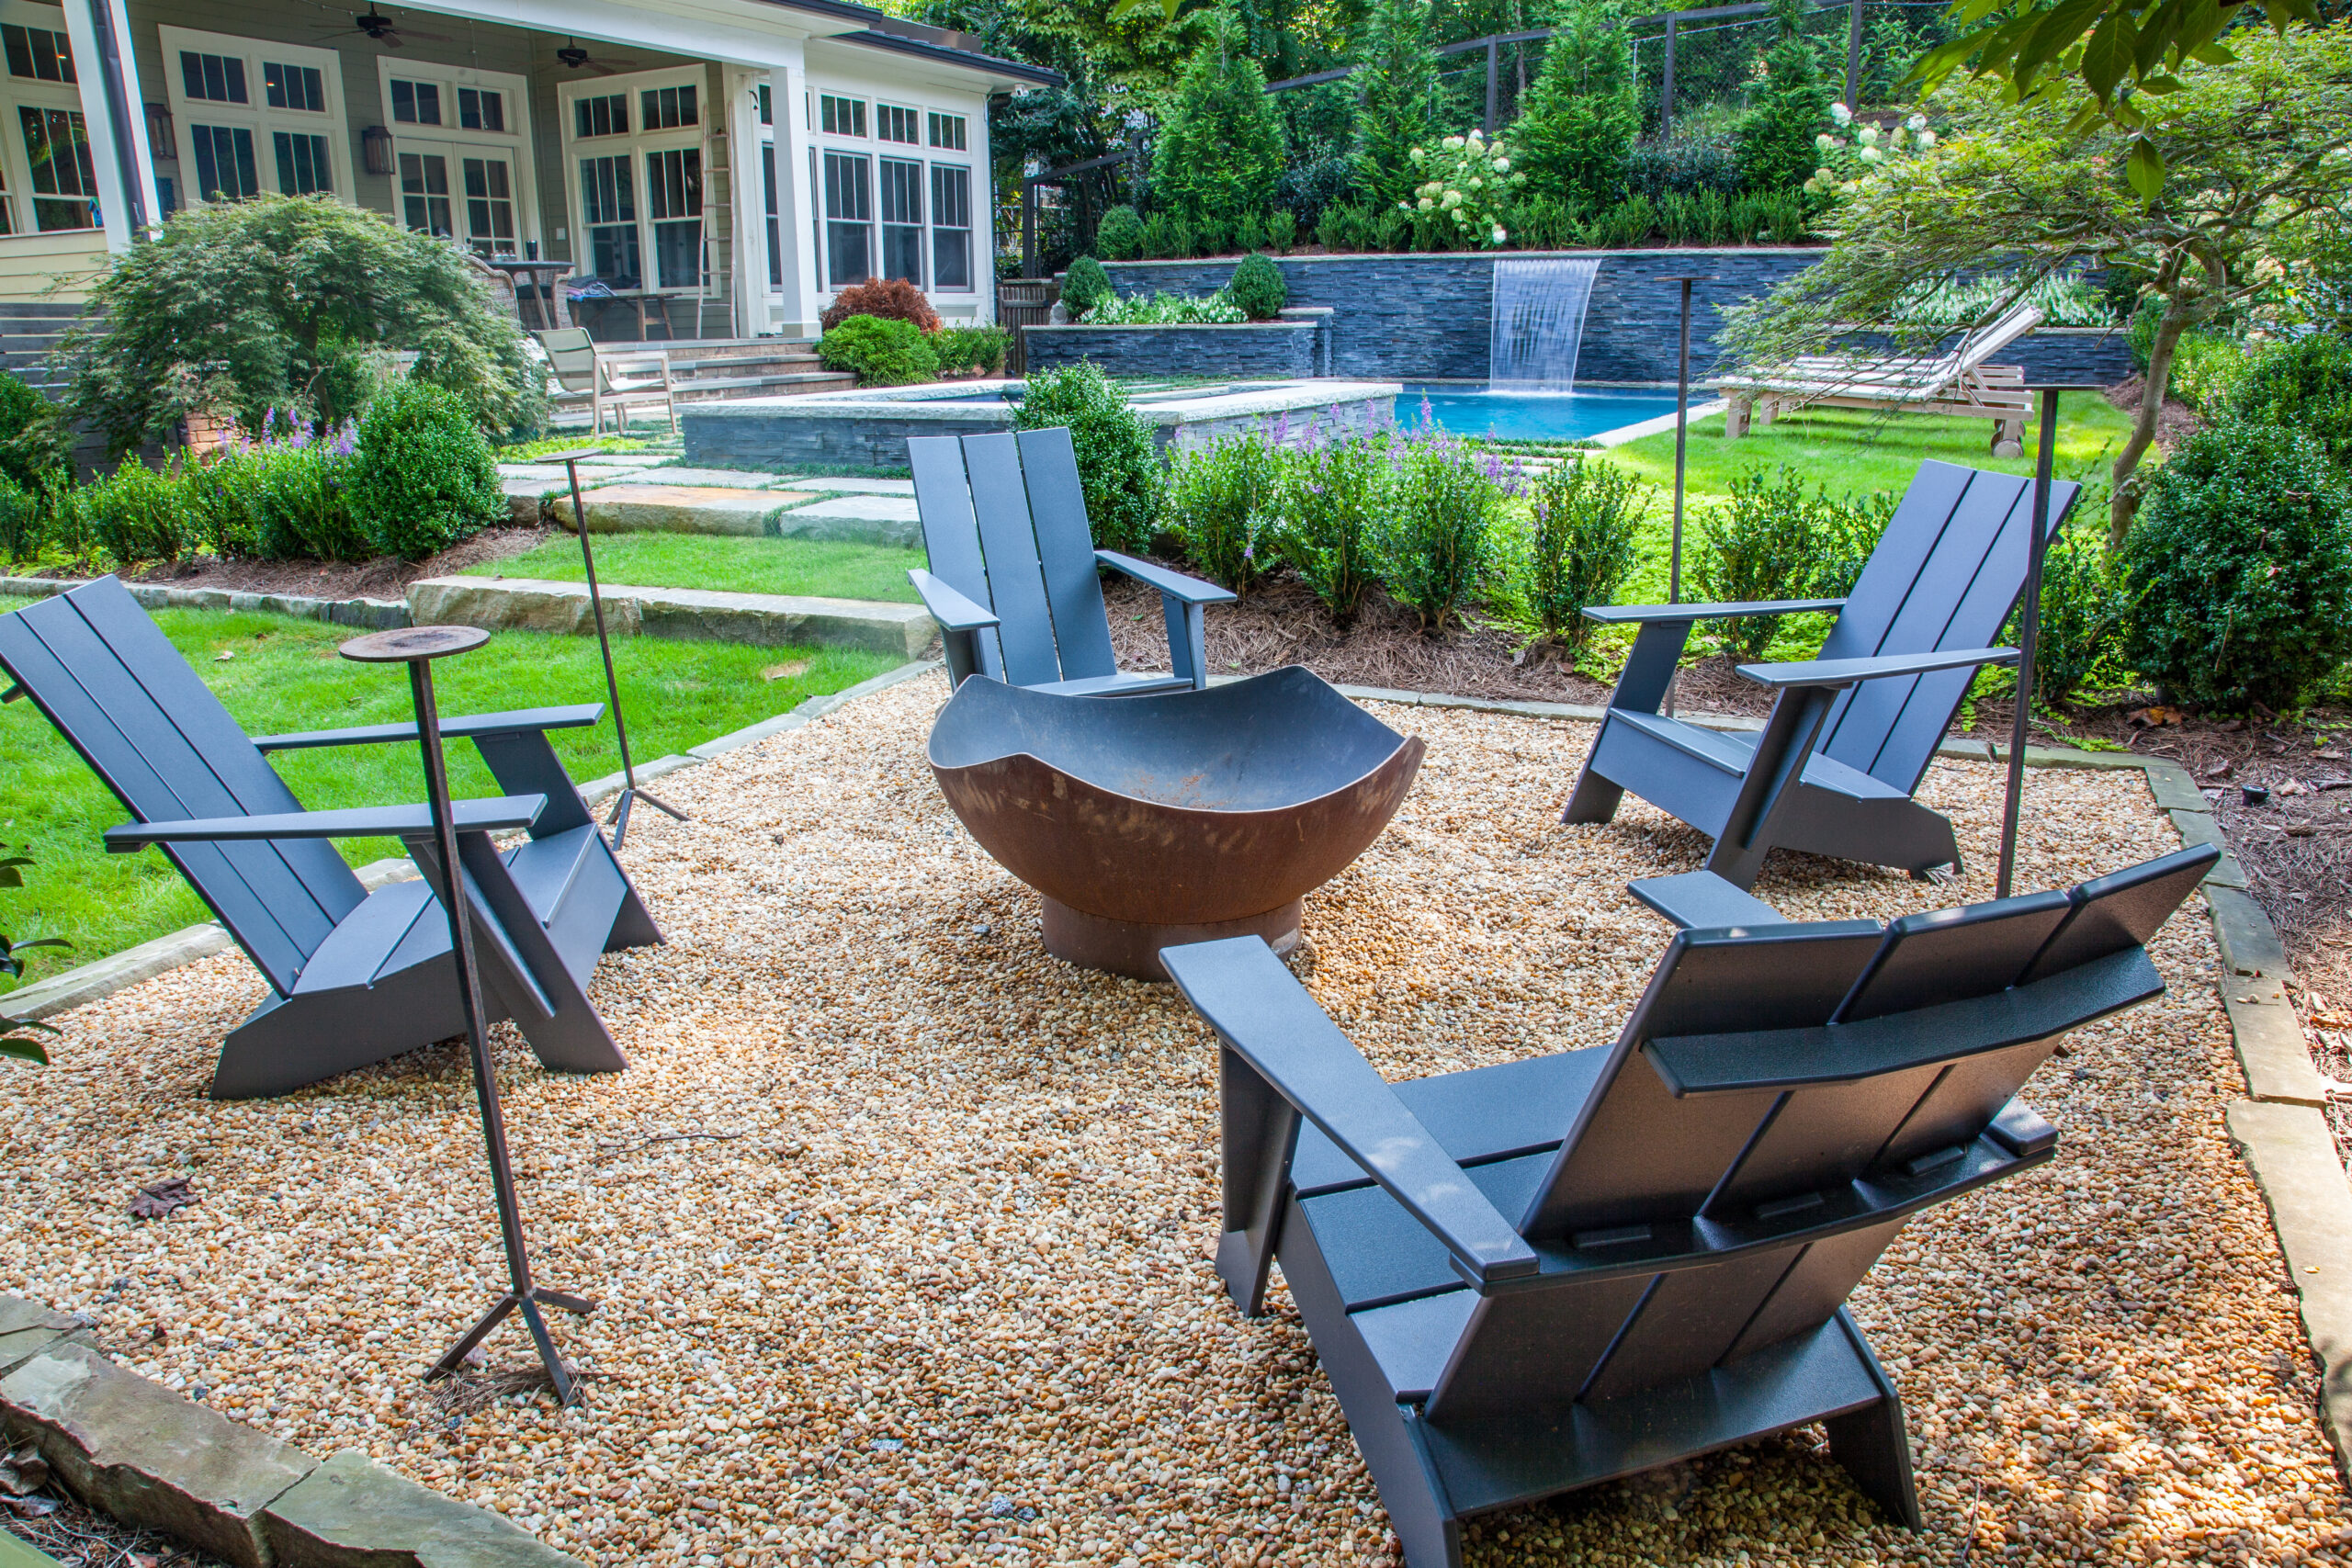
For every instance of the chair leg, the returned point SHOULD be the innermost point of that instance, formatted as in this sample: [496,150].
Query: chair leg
[1595,798]
[1736,412]
[1871,1443]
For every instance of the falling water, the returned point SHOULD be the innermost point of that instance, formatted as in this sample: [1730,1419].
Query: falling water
[1539,322]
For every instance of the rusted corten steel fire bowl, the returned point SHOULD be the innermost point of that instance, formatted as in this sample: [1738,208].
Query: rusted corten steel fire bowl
[1151,822]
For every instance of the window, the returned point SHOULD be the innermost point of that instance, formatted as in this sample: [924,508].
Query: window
[490,206]
[416,102]
[294,87]
[849,220]
[302,167]
[604,116]
[951,232]
[608,210]
[947,130]
[36,54]
[224,163]
[65,187]
[841,116]
[902,219]
[666,109]
[214,78]
[776,225]
[892,123]
[479,108]
[673,195]
[424,193]
[7,208]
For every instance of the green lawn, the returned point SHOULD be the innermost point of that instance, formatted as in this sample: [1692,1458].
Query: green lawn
[829,568]
[285,676]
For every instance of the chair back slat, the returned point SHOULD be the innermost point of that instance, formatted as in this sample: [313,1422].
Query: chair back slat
[1073,585]
[1531,1349]
[1966,1095]
[1816,1284]
[1819,1137]
[2123,909]
[124,698]
[571,356]
[1016,576]
[1688,1321]
[1972,950]
[951,534]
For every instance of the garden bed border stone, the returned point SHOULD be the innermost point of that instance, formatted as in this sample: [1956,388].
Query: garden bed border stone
[366,614]
[2280,1129]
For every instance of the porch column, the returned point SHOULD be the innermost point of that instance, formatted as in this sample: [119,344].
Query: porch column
[747,186]
[114,116]
[795,203]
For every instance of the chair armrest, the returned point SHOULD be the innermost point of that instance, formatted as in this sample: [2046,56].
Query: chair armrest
[500,815]
[1836,673]
[1266,1018]
[1621,613]
[469,728]
[1173,585]
[949,608]
[1700,900]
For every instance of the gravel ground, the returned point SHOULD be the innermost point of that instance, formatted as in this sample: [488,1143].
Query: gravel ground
[902,1228]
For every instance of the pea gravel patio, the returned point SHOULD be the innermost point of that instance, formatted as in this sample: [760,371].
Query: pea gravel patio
[903,1228]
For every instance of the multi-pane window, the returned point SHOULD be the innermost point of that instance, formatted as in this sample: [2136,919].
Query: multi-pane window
[480,109]
[674,200]
[215,78]
[490,206]
[667,108]
[605,115]
[65,185]
[8,207]
[947,130]
[776,224]
[892,123]
[416,102]
[224,163]
[303,167]
[294,87]
[951,226]
[608,210]
[424,193]
[841,116]
[38,54]
[901,220]
[849,219]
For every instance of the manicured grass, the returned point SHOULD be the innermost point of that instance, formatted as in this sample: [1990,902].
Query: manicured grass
[580,441]
[831,568]
[281,674]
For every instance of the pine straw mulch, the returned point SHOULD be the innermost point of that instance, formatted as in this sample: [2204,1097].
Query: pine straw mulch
[385,577]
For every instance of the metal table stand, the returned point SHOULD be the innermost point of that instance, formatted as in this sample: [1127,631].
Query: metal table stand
[417,646]
[1681,443]
[630,794]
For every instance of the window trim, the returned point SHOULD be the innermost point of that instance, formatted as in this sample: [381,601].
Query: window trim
[636,146]
[333,123]
[934,227]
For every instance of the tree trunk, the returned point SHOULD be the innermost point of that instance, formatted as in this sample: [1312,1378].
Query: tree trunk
[2125,500]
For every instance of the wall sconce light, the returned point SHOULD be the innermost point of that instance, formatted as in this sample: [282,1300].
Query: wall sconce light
[159,133]
[376,150]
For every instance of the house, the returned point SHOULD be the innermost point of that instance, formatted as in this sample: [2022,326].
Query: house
[722,168]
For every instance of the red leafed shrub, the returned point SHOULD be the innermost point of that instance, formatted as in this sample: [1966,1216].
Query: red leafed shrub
[894,299]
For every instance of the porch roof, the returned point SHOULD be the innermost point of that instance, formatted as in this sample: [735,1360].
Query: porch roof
[898,35]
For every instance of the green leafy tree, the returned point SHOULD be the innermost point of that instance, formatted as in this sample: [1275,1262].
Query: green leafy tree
[281,303]
[1398,72]
[1776,145]
[1581,119]
[1220,147]
[2258,153]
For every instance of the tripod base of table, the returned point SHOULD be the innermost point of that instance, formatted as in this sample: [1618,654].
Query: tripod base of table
[618,821]
[566,1389]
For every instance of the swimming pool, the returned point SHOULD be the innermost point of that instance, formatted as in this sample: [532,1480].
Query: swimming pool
[1528,416]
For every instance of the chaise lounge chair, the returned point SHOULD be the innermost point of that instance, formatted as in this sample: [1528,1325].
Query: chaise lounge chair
[1527,1278]
[1852,730]
[355,976]
[1959,382]
[1013,582]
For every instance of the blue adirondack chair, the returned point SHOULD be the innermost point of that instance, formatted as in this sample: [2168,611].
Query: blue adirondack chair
[1013,582]
[1852,730]
[1526,1279]
[355,976]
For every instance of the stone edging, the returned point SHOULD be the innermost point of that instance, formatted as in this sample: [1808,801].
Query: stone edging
[368,614]
[128,1447]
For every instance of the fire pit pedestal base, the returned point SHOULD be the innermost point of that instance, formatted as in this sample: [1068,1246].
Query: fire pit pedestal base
[1132,948]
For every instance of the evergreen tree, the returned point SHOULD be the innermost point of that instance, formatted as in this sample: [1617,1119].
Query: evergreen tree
[1398,72]
[1572,139]
[1221,145]
[1776,147]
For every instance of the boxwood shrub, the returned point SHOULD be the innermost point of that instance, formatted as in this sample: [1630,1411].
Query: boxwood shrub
[421,478]
[879,351]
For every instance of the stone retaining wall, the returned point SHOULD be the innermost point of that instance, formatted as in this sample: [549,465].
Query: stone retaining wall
[1269,349]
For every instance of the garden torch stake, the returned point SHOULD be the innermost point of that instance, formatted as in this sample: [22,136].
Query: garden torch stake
[2028,632]
[1681,441]
[629,792]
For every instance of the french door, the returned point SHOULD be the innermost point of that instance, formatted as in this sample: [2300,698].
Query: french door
[460,192]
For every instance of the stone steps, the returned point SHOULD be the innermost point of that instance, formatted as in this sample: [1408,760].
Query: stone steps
[764,620]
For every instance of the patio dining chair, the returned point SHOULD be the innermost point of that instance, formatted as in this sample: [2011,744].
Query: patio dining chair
[1853,730]
[1527,1278]
[1013,580]
[355,976]
[609,381]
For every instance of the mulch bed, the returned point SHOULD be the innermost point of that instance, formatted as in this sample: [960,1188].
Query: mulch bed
[386,577]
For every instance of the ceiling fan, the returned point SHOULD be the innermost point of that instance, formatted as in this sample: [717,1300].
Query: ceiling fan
[576,58]
[384,30]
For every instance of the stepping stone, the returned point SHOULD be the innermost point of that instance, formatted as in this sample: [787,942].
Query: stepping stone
[765,620]
[634,508]
[549,473]
[854,487]
[868,519]
[724,479]
[528,499]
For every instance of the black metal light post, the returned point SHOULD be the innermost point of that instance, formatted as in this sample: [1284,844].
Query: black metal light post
[417,646]
[1681,445]
[629,792]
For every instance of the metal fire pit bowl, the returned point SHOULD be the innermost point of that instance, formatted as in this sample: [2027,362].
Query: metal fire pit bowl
[1151,822]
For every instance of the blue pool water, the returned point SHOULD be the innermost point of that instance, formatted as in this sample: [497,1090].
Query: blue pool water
[1528,416]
